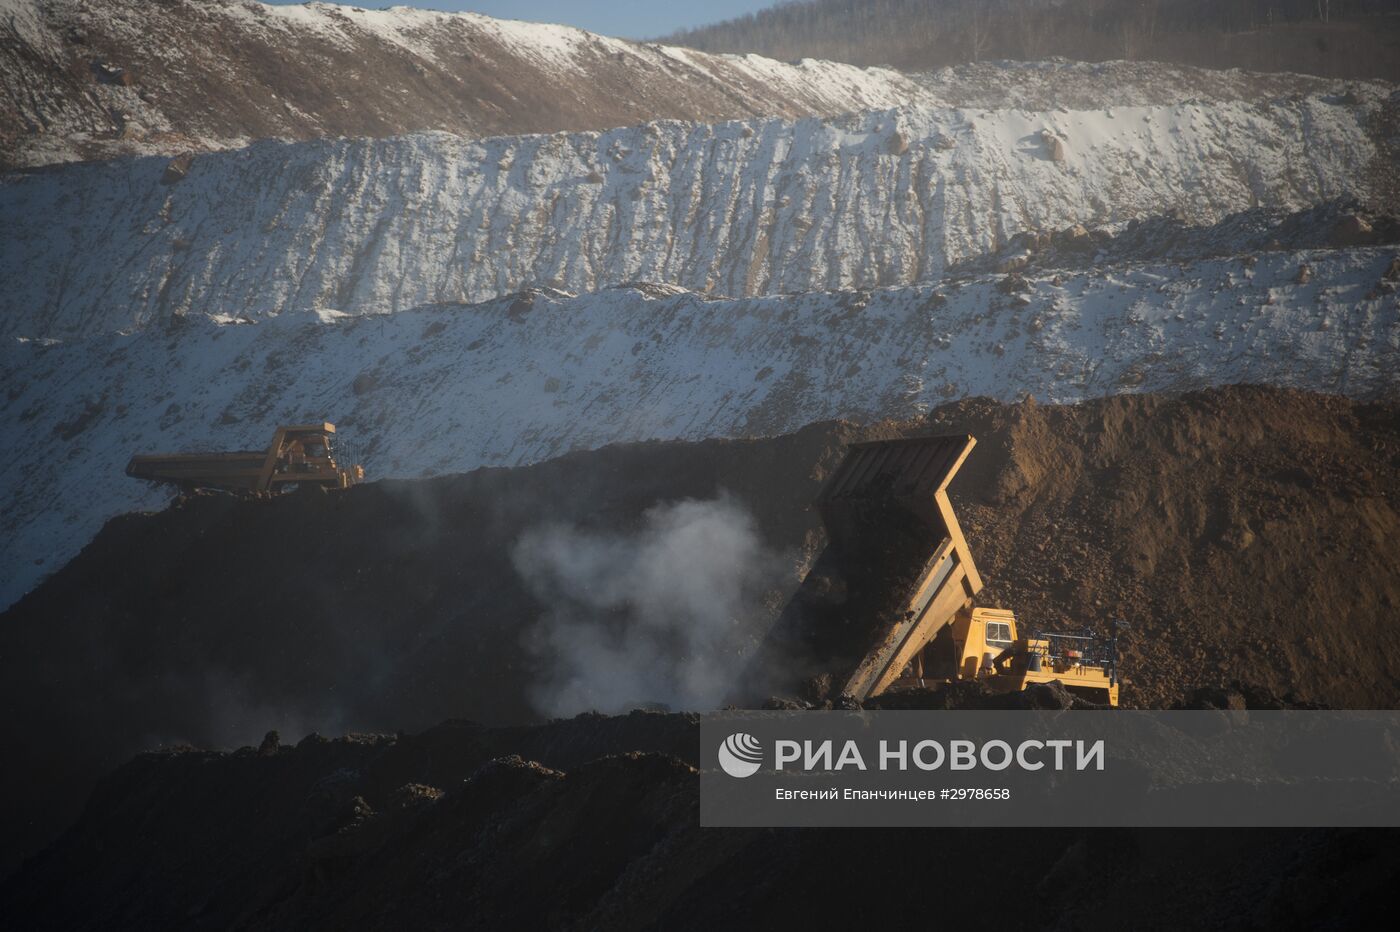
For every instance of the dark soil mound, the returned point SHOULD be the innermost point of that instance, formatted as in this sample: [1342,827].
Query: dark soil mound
[392,606]
[429,831]
[1242,533]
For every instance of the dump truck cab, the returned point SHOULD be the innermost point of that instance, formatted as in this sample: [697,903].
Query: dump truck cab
[305,454]
[984,644]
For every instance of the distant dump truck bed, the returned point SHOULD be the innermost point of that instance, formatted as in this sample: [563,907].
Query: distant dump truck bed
[299,455]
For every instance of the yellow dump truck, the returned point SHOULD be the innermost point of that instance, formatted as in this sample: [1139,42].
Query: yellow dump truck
[299,456]
[889,602]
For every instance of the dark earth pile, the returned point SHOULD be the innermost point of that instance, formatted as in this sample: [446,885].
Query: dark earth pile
[1243,534]
[466,827]
[393,606]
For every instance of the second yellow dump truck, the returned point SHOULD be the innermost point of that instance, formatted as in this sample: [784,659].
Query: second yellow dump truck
[888,604]
[299,456]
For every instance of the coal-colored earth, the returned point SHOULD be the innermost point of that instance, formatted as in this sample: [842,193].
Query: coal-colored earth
[464,827]
[390,607]
[1243,533]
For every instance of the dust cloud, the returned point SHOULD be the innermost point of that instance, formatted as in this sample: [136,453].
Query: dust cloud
[661,616]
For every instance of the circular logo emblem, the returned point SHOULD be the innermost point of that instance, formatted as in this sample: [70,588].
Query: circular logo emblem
[741,755]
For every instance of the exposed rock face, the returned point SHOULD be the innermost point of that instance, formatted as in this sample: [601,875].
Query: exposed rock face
[369,226]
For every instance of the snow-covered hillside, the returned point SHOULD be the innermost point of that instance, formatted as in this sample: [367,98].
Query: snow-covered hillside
[759,207]
[84,79]
[525,378]
[81,79]
[154,303]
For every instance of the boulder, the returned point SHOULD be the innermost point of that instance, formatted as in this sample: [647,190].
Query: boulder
[107,73]
[177,168]
[1351,230]
[1013,284]
[1074,239]
[1014,263]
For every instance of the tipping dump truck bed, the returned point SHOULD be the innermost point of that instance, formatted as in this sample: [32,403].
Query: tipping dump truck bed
[912,477]
[895,570]
[889,602]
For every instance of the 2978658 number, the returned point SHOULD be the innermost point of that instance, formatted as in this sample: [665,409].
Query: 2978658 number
[995,792]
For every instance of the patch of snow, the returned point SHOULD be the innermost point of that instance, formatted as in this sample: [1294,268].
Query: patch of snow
[739,208]
[532,376]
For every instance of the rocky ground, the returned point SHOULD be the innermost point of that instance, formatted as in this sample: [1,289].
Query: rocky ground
[1243,533]
[551,827]
[494,246]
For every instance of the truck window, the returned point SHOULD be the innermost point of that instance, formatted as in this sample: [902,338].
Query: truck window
[999,633]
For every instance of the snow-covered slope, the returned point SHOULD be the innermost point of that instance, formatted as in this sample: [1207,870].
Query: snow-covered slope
[218,271]
[759,207]
[96,78]
[525,378]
